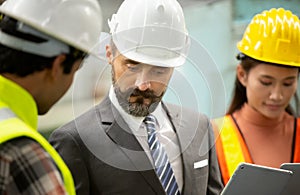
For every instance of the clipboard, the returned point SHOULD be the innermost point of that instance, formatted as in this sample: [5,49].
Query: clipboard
[250,179]
[293,186]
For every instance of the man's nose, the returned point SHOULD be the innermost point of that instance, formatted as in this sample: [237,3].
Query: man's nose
[143,81]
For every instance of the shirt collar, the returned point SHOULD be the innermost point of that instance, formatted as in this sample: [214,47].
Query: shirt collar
[19,101]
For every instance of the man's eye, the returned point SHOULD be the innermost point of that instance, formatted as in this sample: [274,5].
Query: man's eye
[160,71]
[133,68]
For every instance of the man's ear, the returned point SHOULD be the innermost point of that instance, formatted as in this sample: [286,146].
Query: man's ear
[241,75]
[109,54]
[57,67]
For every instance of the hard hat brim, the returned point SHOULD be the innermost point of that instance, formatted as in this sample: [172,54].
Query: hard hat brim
[49,29]
[169,63]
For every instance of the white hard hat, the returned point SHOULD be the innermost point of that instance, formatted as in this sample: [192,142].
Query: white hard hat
[151,32]
[77,23]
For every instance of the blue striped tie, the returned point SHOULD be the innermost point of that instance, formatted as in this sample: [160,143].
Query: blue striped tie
[162,165]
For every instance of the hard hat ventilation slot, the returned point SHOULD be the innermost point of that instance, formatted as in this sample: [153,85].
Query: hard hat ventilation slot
[160,8]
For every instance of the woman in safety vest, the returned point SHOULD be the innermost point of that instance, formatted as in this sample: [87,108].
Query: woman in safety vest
[260,126]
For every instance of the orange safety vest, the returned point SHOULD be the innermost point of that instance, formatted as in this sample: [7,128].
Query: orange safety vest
[231,147]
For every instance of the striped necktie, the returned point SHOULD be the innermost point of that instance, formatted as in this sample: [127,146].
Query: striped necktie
[162,165]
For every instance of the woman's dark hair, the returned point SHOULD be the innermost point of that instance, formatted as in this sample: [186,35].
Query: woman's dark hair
[22,63]
[239,91]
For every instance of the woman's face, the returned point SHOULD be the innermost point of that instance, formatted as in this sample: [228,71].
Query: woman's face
[269,88]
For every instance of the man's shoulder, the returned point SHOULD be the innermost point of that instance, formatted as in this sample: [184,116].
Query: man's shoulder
[175,109]
[85,122]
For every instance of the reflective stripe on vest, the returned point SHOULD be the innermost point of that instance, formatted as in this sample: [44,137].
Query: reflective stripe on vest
[297,143]
[232,150]
[6,113]
[230,146]
[12,127]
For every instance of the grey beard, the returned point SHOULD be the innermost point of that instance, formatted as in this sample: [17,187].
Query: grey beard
[136,108]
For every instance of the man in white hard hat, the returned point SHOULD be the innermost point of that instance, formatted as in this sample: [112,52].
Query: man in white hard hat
[41,49]
[132,142]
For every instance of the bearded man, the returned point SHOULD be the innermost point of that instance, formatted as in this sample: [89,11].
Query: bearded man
[133,142]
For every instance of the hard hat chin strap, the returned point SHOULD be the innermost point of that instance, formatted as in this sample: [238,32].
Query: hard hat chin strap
[50,48]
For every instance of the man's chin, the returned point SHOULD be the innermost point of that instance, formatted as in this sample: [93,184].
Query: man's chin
[138,110]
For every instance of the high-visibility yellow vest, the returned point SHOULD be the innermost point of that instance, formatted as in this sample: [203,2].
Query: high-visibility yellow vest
[231,147]
[15,121]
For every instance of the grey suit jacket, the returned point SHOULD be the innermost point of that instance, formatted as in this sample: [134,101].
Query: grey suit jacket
[106,158]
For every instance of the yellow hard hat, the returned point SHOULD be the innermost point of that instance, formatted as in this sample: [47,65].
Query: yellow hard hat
[273,36]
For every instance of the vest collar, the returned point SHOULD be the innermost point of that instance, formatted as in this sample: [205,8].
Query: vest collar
[19,101]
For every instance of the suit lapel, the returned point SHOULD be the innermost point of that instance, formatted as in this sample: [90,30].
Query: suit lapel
[181,127]
[122,136]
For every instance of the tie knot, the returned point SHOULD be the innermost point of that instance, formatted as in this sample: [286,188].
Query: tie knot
[150,123]
[150,119]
